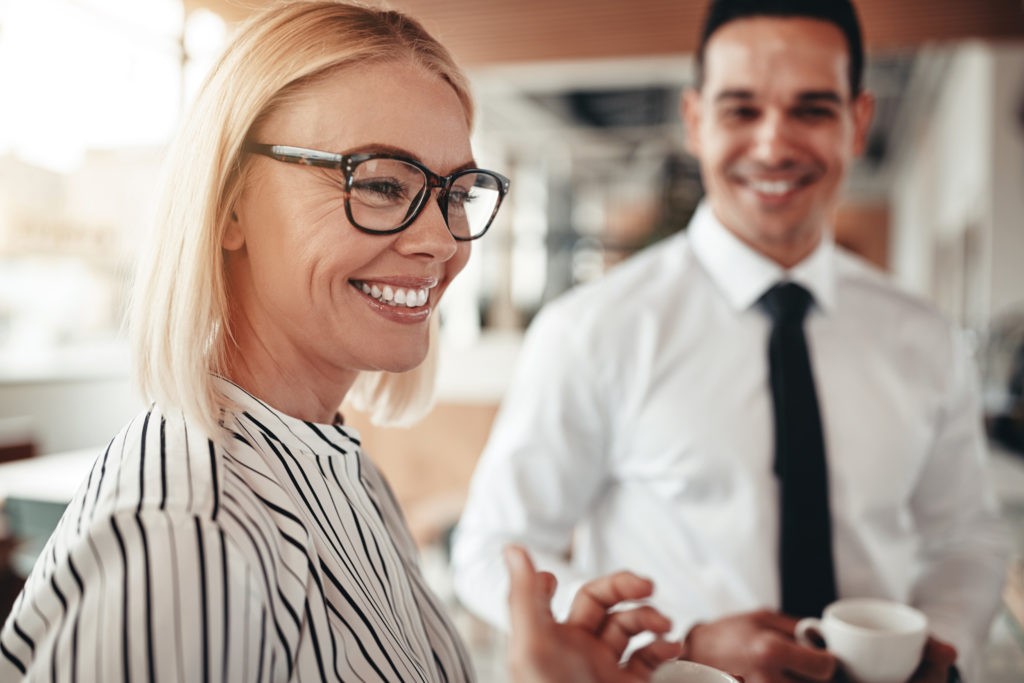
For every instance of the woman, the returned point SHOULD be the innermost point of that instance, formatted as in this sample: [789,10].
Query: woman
[320,199]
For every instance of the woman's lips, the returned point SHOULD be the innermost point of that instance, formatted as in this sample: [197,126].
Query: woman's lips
[396,303]
[389,295]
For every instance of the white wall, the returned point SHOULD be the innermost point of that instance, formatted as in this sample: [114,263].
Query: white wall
[1007,274]
[958,193]
[67,401]
[81,400]
[69,414]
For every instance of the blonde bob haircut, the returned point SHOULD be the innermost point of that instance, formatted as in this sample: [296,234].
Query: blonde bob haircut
[178,318]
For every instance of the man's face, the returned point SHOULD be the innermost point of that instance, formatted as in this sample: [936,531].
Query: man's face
[775,128]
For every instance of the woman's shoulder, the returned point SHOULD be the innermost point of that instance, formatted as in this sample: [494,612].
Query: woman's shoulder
[158,461]
[164,477]
[157,524]
[164,461]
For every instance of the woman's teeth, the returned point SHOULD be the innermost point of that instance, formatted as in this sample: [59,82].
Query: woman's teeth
[395,296]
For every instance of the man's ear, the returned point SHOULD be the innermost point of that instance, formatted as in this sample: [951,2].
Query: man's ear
[233,238]
[863,111]
[691,112]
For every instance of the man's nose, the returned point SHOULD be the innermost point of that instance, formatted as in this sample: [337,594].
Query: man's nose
[772,138]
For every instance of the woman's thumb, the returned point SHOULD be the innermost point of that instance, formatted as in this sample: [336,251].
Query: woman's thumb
[527,593]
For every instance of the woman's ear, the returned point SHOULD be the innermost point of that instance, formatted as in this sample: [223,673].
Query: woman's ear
[234,237]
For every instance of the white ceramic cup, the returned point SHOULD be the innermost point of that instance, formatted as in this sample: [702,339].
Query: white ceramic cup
[681,671]
[875,641]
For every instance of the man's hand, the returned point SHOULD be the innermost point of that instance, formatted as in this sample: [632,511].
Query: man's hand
[936,662]
[588,646]
[759,647]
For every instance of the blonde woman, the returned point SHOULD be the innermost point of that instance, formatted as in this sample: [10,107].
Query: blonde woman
[320,199]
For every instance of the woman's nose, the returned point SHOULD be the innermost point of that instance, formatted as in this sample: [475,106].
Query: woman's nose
[428,234]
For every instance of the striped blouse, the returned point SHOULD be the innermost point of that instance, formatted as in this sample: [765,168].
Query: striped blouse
[283,557]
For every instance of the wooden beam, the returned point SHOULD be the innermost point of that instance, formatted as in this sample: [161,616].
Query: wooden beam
[542,30]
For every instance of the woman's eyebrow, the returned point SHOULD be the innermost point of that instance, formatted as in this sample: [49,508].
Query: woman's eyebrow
[381,148]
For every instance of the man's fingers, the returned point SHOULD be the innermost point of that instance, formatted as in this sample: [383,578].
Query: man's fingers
[808,662]
[939,653]
[528,591]
[936,660]
[595,598]
[776,621]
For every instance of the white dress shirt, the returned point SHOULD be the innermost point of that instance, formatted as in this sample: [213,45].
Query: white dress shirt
[637,434]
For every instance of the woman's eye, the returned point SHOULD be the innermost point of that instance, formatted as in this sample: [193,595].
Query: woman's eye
[459,199]
[460,196]
[380,188]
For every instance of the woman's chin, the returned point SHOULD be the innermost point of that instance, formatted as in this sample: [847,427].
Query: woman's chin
[405,361]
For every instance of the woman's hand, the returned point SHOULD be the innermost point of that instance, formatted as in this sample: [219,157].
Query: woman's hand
[587,647]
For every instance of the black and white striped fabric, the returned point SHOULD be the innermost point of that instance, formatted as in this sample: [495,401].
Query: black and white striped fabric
[283,557]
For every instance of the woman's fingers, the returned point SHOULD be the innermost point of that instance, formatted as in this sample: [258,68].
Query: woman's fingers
[648,658]
[620,627]
[548,584]
[590,644]
[591,604]
[529,592]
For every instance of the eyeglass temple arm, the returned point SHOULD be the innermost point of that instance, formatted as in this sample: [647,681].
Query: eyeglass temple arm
[309,157]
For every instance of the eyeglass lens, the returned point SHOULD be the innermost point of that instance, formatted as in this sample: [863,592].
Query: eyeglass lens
[385,192]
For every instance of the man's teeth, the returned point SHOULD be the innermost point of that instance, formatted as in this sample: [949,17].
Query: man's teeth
[396,296]
[774,187]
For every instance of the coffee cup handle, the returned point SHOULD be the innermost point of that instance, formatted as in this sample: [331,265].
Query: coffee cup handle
[805,628]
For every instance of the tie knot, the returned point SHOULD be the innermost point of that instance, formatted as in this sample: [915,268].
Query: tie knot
[787,302]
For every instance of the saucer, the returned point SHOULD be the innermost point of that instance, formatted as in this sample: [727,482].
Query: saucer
[682,671]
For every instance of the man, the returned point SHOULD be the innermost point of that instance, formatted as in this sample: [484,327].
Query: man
[649,425]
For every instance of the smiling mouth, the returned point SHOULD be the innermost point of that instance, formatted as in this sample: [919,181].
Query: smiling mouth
[773,187]
[776,183]
[399,297]
[776,188]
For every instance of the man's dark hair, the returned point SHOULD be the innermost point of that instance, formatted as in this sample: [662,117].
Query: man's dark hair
[840,13]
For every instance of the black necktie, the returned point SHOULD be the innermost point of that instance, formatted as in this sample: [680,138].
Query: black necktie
[805,533]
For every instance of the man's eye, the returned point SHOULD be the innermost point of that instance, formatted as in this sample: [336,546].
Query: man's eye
[815,113]
[741,113]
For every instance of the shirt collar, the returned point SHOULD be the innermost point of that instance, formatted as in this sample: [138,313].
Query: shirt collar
[743,275]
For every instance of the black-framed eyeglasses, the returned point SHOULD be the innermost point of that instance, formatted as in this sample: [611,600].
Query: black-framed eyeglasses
[385,193]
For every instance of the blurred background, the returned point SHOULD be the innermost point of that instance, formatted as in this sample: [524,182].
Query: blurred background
[578,104]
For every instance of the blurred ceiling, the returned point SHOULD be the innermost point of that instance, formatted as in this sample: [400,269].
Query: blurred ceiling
[542,30]
[598,81]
